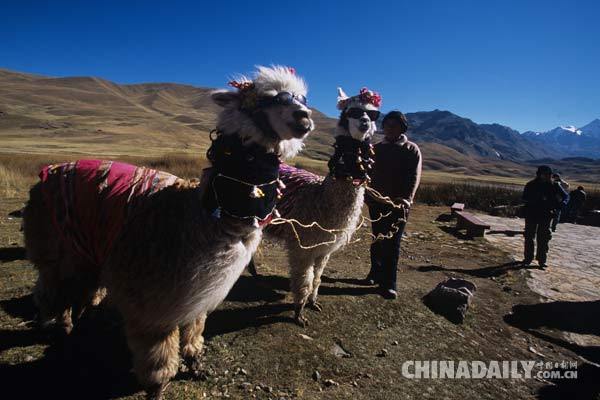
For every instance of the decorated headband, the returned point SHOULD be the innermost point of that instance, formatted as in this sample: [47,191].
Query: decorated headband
[249,96]
[365,96]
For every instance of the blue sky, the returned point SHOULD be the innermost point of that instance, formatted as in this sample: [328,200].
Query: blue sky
[531,65]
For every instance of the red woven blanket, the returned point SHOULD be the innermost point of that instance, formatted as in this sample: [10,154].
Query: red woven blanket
[293,178]
[90,201]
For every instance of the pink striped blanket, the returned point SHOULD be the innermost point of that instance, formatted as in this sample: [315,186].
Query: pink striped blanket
[91,200]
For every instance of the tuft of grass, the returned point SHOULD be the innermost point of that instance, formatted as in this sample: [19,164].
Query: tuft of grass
[10,182]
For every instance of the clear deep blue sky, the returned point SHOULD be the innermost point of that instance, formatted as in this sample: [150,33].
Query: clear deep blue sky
[531,65]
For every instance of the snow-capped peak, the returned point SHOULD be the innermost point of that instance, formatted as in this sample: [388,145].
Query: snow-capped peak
[571,128]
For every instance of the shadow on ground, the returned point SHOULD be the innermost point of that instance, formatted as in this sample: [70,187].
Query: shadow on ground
[12,253]
[485,272]
[93,362]
[451,230]
[95,359]
[577,317]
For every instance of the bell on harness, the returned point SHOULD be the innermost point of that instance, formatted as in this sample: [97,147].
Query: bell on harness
[351,159]
[244,182]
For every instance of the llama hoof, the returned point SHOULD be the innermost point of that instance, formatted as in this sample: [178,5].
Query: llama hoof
[156,392]
[67,329]
[192,365]
[301,321]
[315,306]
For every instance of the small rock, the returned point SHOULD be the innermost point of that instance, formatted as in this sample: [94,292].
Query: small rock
[28,358]
[395,343]
[242,371]
[305,337]
[330,382]
[534,351]
[383,353]
[339,351]
[316,375]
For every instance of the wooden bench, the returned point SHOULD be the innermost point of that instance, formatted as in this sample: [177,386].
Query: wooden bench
[474,226]
[454,208]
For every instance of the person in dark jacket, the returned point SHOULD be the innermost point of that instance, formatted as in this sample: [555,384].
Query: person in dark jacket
[563,186]
[396,174]
[576,202]
[542,197]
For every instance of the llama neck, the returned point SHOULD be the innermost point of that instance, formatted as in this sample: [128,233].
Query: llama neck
[338,202]
[244,179]
[340,192]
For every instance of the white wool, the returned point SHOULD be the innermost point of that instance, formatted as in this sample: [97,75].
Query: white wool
[267,81]
[277,78]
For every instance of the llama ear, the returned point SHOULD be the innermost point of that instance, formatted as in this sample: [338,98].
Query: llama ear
[226,98]
[341,99]
[341,94]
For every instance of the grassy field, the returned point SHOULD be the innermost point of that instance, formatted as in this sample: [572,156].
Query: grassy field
[437,188]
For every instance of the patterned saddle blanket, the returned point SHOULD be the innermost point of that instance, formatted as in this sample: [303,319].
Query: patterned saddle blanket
[293,179]
[91,200]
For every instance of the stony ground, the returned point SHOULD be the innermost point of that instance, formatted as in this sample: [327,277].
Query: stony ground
[573,275]
[354,348]
[574,258]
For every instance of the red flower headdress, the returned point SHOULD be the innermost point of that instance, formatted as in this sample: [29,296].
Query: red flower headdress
[365,96]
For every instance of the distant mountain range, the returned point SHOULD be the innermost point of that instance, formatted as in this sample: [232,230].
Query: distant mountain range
[467,137]
[93,116]
[503,142]
[569,141]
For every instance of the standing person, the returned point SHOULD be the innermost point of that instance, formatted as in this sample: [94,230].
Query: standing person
[562,186]
[541,198]
[576,202]
[396,174]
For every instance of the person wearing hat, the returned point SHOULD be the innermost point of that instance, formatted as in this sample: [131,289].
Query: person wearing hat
[542,198]
[563,186]
[576,201]
[396,174]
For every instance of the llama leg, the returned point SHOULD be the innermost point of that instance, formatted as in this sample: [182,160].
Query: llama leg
[86,293]
[320,264]
[192,340]
[45,294]
[155,357]
[52,296]
[65,322]
[301,279]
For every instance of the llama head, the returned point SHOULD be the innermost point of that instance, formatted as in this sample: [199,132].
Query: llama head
[358,114]
[269,109]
